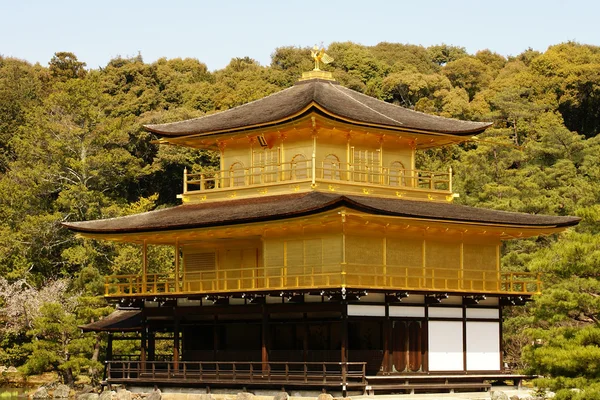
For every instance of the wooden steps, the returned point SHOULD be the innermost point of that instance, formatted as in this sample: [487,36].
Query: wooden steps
[431,386]
[437,383]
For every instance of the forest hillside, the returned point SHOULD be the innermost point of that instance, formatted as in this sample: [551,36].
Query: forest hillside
[72,148]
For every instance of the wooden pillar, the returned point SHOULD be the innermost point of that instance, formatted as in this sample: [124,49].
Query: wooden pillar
[344,354]
[221,156]
[348,158]
[464,334]
[109,356]
[500,323]
[387,327]
[425,345]
[344,350]
[220,182]
[177,261]
[380,177]
[413,165]
[215,338]
[305,339]
[423,282]
[144,266]
[282,160]
[109,347]
[384,260]
[176,343]
[185,184]
[265,340]
[314,157]
[143,347]
[151,346]
[461,274]
[343,266]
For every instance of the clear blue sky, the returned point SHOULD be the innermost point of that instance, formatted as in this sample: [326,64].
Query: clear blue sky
[214,31]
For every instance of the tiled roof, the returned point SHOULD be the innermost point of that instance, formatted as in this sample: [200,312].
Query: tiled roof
[232,212]
[117,321]
[333,98]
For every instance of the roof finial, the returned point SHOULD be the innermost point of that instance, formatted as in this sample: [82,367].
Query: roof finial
[320,57]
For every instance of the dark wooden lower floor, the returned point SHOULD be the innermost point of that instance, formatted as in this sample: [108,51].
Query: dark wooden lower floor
[302,333]
[330,343]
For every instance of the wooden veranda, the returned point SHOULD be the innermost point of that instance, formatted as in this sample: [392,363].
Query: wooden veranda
[331,375]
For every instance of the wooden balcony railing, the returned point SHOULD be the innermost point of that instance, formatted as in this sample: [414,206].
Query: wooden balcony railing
[327,172]
[346,374]
[361,276]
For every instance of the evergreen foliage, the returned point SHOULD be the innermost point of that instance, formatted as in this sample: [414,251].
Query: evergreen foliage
[72,148]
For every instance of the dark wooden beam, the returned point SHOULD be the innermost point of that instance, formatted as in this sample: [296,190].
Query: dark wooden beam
[387,327]
[109,347]
[151,347]
[464,335]
[143,348]
[176,344]
[265,340]
[344,352]
[305,339]
[216,343]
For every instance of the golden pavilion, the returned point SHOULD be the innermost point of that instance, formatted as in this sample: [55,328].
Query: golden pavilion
[317,255]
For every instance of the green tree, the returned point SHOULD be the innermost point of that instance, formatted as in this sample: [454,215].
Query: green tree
[293,61]
[357,61]
[406,88]
[21,86]
[58,344]
[65,65]
[443,54]
[468,73]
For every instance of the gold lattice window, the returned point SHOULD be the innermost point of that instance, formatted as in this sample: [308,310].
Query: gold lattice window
[265,163]
[240,268]
[305,262]
[366,165]
[199,264]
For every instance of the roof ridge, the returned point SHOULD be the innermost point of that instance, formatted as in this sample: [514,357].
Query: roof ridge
[222,111]
[366,106]
[409,109]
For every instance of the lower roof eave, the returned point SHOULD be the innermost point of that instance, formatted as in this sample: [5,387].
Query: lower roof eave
[120,320]
[232,213]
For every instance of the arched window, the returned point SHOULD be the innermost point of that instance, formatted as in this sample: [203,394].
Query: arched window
[237,174]
[397,174]
[299,167]
[331,167]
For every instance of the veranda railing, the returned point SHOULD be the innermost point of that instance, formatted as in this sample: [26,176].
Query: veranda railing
[323,171]
[394,277]
[345,374]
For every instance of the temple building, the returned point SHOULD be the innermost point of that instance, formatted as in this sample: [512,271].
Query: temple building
[317,255]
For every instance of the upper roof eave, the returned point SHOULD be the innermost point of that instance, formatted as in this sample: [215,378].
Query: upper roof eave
[314,107]
[333,99]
